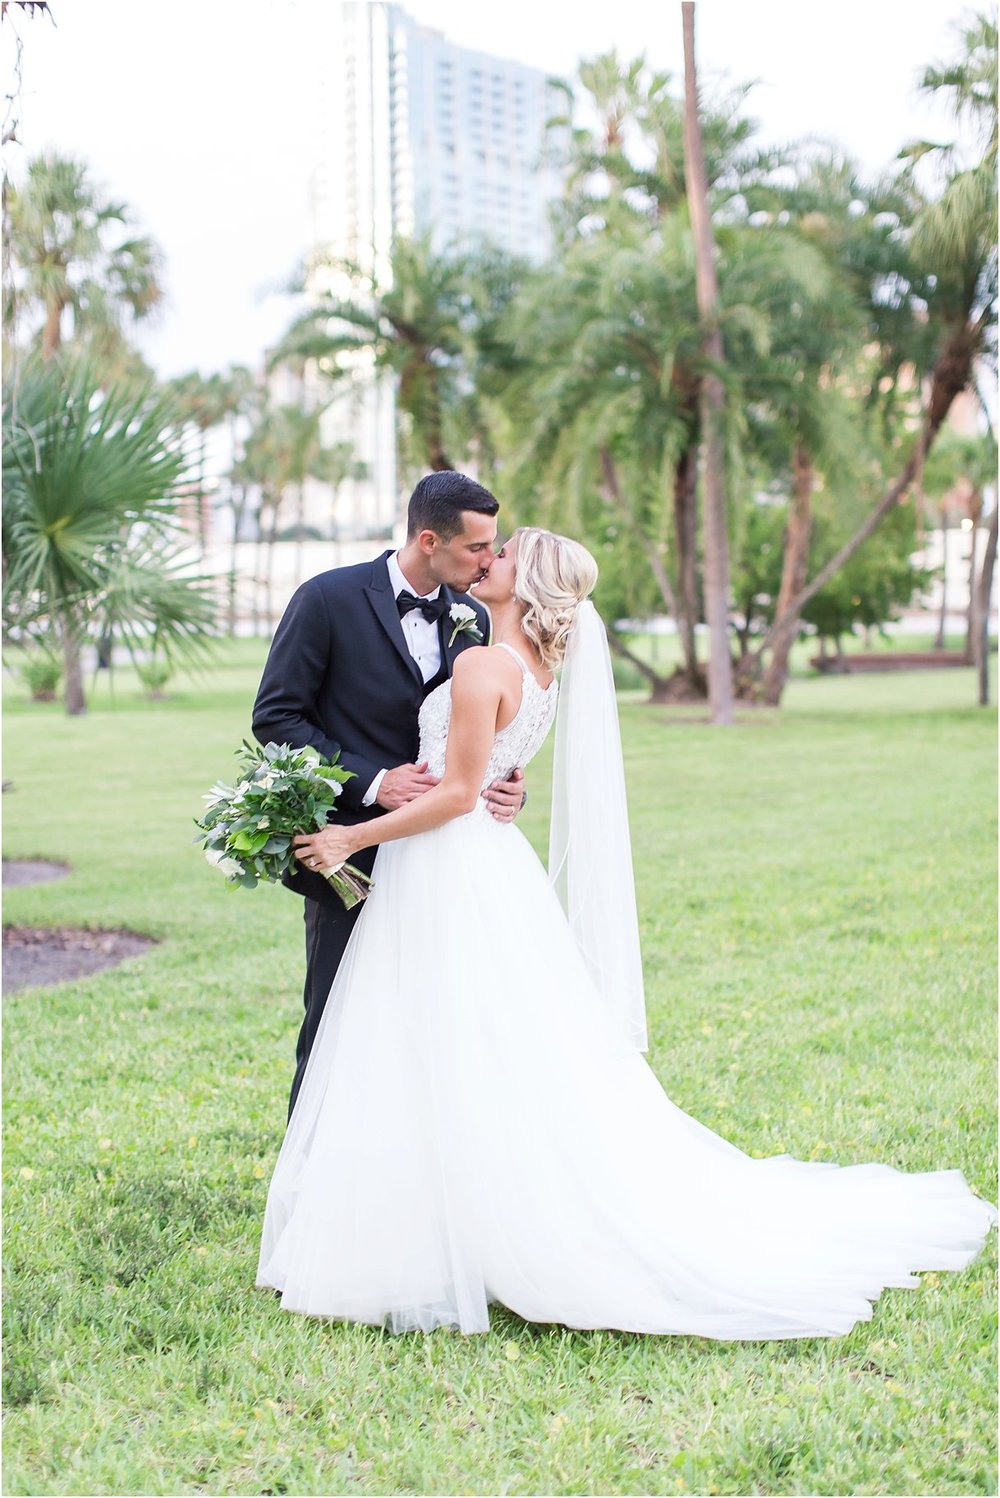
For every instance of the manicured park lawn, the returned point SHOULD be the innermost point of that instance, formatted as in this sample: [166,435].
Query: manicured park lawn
[817,899]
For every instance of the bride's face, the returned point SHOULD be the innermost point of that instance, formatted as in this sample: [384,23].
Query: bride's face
[498,584]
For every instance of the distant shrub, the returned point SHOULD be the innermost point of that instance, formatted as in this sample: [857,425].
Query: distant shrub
[41,674]
[154,676]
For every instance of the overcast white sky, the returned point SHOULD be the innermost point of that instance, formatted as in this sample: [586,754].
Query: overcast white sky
[194,113]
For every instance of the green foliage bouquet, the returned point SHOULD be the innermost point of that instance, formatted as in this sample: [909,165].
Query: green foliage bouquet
[247,829]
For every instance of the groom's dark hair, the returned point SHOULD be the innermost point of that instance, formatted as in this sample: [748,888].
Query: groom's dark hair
[437,502]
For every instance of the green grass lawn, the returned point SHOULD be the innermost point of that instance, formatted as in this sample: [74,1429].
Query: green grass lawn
[816,892]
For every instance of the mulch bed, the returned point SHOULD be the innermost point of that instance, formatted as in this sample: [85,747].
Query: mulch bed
[888,660]
[32,870]
[36,956]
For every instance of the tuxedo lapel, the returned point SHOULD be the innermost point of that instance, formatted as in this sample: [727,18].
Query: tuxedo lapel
[462,640]
[447,626]
[383,601]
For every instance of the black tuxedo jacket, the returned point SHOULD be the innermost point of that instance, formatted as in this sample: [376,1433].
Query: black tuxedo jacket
[339,676]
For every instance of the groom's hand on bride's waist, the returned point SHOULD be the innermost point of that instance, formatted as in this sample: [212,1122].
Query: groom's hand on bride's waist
[506,797]
[404,783]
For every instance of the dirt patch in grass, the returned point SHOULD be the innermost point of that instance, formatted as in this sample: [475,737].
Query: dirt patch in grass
[32,870]
[37,956]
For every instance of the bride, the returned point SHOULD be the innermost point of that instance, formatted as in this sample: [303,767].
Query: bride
[476,1123]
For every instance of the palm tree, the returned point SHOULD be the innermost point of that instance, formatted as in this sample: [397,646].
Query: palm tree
[604,409]
[947,258]
[262,468]
[241,396]
[205,402]
[71,249]
[606,406]
[421,327]
[631,163]
[712,394]
[283,450]
[597,164]
[91,520]
[962,466]
[626,223]
[983,586]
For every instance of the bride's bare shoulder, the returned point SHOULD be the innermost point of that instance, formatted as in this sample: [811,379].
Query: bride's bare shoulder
[487,663]
[486,675]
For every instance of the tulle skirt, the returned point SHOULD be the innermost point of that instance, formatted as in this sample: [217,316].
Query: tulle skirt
[471,1130]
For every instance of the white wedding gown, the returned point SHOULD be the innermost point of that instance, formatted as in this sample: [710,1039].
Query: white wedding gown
[472,1129]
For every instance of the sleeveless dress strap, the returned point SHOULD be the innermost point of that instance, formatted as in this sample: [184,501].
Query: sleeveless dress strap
[511,651]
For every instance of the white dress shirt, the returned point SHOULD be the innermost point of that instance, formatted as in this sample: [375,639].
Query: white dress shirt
[421,635]
[422,641]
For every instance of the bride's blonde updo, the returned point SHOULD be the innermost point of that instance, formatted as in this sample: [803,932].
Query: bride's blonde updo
[553,577]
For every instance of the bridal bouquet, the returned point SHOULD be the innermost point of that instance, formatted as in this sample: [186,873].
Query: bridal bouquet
[247,829]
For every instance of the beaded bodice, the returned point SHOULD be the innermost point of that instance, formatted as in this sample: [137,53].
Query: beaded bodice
[513,746]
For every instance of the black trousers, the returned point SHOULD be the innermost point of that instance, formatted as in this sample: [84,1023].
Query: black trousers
[328,930]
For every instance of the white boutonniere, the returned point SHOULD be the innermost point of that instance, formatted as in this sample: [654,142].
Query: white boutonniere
[464,620]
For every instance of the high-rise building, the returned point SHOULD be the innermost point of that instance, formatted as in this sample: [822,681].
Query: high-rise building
[418,136]
[421,136]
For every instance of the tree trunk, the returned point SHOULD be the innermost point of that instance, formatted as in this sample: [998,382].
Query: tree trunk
[258,575]
[272,541]
[239,509]
[52,331]
[269,576]
[436,455]
[613,493]
[720,665]
[437,458]
[105,648]
[943,615]
[686,540]
[951,375]
[793,573]
[975,514]
[681,685]
[76,702]
[984,588]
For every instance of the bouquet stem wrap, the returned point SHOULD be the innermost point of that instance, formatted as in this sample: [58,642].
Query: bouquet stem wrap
[349,883]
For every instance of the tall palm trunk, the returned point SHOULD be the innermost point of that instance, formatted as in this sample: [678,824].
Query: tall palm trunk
[272,539]
[52,331]
[419,394]
[686,544]
[720,664]
[663,689]
[975,514]
[258,571]
[436,455]
[76,702]
[943,613]
[793,572]
[984,588]
[239,509]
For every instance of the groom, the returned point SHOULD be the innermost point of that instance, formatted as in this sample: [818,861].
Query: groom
[356,652]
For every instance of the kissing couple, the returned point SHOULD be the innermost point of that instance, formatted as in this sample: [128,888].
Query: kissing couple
[472,1120]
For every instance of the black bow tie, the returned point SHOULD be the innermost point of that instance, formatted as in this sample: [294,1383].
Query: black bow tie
[431,608]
